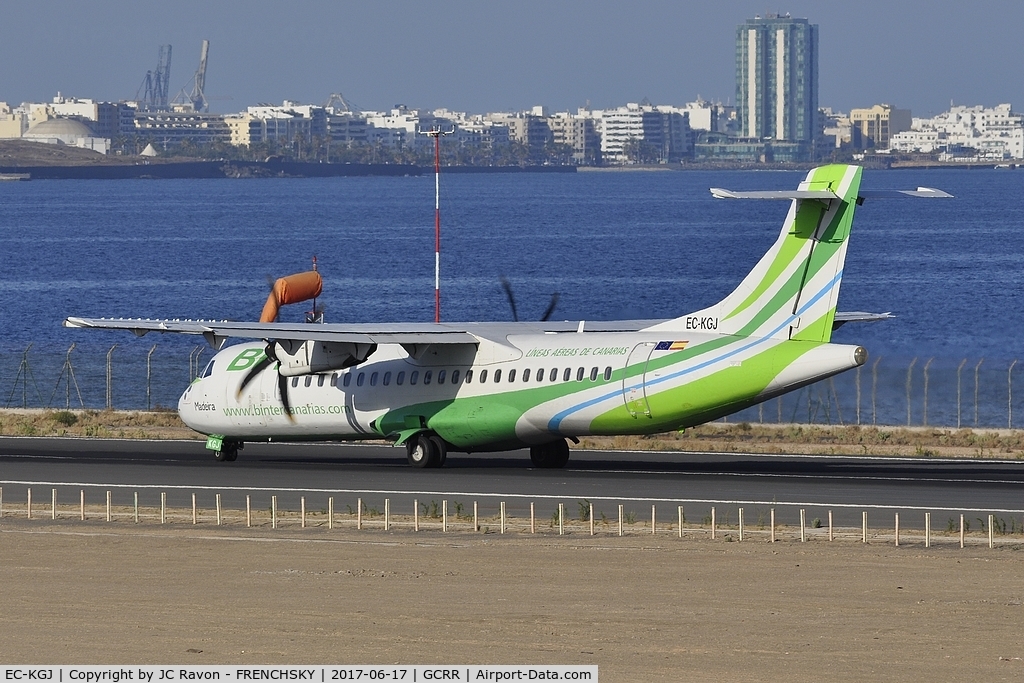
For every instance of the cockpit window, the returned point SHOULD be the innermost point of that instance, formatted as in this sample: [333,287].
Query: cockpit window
[208,370]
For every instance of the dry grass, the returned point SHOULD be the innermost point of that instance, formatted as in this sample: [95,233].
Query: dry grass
[828,440]
[715,437]
[111,424]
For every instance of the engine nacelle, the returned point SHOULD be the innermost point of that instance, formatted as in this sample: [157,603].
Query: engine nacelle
[309,357]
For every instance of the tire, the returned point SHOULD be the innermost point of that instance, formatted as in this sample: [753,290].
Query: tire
[421,452]
[552,455]
[442,449]
[228,451]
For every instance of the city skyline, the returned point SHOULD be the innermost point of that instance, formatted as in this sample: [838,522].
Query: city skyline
[916,55]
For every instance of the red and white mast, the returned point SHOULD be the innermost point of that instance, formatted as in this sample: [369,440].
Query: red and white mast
[436,133]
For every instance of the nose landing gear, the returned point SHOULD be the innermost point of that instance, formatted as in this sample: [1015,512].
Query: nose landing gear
[229,451]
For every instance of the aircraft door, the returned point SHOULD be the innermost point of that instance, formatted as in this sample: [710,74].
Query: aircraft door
[634,389]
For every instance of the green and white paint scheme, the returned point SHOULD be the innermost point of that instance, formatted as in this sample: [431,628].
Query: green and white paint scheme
[475,387]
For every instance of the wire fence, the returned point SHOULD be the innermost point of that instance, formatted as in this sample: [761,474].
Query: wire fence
[938,392]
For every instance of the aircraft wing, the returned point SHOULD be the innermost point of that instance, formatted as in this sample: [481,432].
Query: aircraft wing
[921,192]
[216,332]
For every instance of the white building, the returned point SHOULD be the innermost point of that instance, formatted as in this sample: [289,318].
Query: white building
[995,133]
[67,132]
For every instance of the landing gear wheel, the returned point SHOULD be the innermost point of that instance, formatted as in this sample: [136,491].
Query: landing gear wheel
[422,451]
[552,455]
[229,451]
[442,449]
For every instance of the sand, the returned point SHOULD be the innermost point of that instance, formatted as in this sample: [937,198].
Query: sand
[643,608]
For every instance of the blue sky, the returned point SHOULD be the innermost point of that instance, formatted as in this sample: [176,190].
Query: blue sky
[490,56]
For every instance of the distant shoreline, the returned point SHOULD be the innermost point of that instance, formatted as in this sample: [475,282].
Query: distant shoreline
[300,169]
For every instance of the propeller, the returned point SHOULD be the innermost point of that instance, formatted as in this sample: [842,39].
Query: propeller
[507,286]
[282,382]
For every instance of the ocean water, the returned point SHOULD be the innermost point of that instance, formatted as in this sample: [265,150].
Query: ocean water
[613,245]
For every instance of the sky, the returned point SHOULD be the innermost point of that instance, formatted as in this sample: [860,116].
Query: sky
[481,56]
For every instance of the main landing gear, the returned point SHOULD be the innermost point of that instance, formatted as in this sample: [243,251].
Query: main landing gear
[229,451]
[426,450]
[552,455]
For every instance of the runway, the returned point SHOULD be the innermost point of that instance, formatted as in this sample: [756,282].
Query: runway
[638,480]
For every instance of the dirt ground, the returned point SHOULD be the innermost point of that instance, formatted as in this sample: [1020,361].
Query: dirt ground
[642,608]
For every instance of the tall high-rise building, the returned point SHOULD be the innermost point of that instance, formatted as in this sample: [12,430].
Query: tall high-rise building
[777,78]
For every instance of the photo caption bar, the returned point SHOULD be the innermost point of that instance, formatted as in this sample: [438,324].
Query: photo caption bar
[312,673]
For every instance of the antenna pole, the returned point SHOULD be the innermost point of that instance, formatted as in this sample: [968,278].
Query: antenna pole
[436,133]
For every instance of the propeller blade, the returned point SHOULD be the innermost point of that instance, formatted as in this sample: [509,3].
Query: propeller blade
[251,375]
[507,286]
[551,307]
[282,386]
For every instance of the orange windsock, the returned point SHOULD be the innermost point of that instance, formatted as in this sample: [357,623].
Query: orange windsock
[290,290]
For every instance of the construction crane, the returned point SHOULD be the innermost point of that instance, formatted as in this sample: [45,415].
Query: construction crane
[340,105]
[156,84]
[196,96]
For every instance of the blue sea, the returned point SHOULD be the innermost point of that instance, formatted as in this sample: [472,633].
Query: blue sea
[612,244]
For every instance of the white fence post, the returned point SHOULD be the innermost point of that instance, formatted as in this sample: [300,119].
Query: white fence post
[416,514]
[273,512]
[163,506]
[194,508]
[359,513]
[135,502]
[218,509]
[654,522]
[991,531]
[533,520]
[741,523]
[831,536]
[387,514]
[302,512]
[864,527]
[897,534]
[961,530]
[713,523]
[620,519]
[444,515]
[53,504]
[680,511]
[561,519]
[591,519]
[927,530]
[248,511]
[502,516]
[803,525]
[81,498]
[772,517]
[330,513]
[28,503]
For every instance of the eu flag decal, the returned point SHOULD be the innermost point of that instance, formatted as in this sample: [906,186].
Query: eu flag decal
[671,346]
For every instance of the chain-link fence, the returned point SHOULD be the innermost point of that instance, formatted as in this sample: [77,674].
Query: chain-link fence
[941,392]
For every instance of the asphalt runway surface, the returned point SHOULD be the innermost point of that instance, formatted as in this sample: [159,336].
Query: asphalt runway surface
[697,481]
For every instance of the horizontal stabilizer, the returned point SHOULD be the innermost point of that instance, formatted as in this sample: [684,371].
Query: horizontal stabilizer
[827,195]
[843,317]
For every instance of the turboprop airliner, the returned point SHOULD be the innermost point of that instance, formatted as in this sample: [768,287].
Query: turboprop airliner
[491,386]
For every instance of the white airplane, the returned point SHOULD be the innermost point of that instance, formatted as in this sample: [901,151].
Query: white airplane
[490,386]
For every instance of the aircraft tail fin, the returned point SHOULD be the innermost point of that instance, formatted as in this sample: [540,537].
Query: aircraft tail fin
[791,293]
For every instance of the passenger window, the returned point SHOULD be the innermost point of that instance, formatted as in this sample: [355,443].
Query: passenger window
[387,379]
[469,376]
[526,375]
[512,375]
[440,376]
[483,376]
[540,375]
[373,379]
[334,379]
[567,374]
[295,382]
[414,376]
[308,381]
[579,375]
[608,373]
[427,376]
[553,375]
[320,380]
[400,378]
[497,375]
[455,376]
[593,374]
[360,379]
[348,379]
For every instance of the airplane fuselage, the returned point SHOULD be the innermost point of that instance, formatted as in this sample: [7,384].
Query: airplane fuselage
[528,389]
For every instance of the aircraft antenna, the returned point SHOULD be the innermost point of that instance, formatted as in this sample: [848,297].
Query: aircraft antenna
[436,133]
